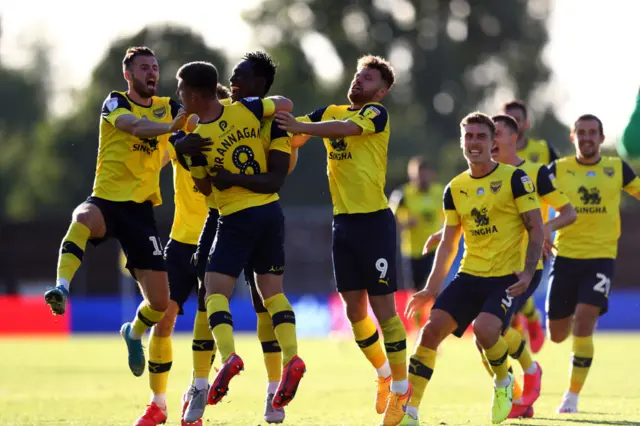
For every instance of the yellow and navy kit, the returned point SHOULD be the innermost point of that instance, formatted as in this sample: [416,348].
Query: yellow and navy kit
[538,151]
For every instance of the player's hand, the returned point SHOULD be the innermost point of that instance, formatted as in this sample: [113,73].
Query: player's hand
[221,179]
[288,122]
[419,299]
[524,279]
[432,242]
[548,243]
[180,121]
[192,145]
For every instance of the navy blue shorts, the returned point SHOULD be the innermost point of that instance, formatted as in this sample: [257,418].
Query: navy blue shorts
[573,281]
[420,269]
[533,286]
[183,277]
[468,295]
[134,226]
[208,234]
[364,252]
[253,236]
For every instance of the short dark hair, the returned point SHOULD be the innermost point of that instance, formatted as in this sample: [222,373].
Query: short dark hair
[134,52]
[222,92]
[382,65]
[516,105]
[263,66]
[587,117]
[508,121]
[200,76]
[478,117]
[419,162]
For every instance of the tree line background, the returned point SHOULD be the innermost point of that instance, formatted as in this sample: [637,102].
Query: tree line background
[454,59]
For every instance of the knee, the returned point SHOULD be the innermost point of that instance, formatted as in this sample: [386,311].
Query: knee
[165,327]
[159,303]
[355,312]
[557,337]
[486,332]
[86,214]
[431,336]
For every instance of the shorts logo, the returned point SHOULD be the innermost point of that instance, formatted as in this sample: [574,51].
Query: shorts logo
[609,171]
[276,269]
[159,112]
[528,184]
[495,186]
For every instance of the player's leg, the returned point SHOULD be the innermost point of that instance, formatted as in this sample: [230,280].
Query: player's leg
[593,301]
[452,312]
[420,270]
[352,290]
[87,221]
[235,240]
[271,351]
[268,263]
[562,297]
[534,325]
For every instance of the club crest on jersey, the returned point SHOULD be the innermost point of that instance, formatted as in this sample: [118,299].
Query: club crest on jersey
[160,112]
[480,191]
[371,112]
[534,158]
[609,171]
[528,184]
[495,186]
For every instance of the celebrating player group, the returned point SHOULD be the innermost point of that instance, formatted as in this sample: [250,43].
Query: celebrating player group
[231,152]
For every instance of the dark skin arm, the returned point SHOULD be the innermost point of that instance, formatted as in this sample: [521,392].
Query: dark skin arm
[262,183]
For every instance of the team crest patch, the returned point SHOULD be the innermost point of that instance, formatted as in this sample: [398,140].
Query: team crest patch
[160,112]
[528,184]
[609,171]
[371,112]
[534,158]
[495,186]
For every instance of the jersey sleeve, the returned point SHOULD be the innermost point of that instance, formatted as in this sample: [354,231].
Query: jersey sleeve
[114,106]
[547,190]
[259,107]
[371,118]
[396,200]
[279,139]
[313,117]
[630,181]
[172,151]
[524,192]
[553,155]
[451,216]
[175,107]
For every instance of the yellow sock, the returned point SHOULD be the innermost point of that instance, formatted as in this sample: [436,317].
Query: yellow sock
[421,367]
[202,346]
[270,347]
[221,324]
[160,359]
[581,362]
[395,344]
[72,251]
[529,310]
[145,318]
[368,340]
[497,357]
[284,325]
[518,348]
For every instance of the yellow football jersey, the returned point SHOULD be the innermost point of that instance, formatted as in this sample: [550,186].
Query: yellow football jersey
[237,147]
[128,168]
[425,208]
[489,209]
[548,195]
[357,165]
[538,151]
[594,190]
[191,206]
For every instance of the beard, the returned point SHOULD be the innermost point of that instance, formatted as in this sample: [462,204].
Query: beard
[142,89]
[359,97]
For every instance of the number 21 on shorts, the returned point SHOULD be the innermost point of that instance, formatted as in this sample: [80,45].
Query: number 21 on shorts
[603,285]
[382,266]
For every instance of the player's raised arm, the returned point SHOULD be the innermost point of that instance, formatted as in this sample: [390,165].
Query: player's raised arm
[117,111]
[630,181]
[524,193]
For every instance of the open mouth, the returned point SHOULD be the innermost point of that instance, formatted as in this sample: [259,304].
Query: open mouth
[495,150]
[151,83]
[475,152]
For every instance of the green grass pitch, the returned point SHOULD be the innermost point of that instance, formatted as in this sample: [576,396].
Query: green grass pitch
[84,380]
